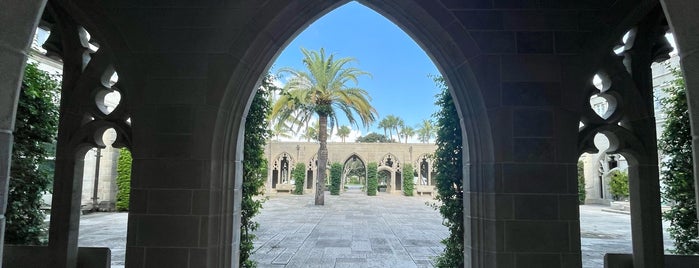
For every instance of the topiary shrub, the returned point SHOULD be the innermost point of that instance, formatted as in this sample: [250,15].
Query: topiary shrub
[581,183]
[619,184]
[408,183]
[677,171]
[35,131]
[298,173]
[123,180]
[449,169]
[371,179]
[335,178]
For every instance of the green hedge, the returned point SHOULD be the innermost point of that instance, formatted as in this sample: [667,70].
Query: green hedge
[371,180]
[335,178]
[298,174]
[408,183]
[123,180]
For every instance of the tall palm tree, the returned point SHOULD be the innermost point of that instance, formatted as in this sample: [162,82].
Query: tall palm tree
[398,125]
[324,89]
[425,131]
[343,132]
[385,125]
[407,132]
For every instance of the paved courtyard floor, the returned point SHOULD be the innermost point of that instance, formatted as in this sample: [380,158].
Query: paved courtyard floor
[354,230]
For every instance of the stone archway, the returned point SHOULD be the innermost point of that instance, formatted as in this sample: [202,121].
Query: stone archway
[510,75]
[354,168]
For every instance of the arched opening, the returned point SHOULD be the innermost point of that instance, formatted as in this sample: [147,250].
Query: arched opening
[354,173]
[462,77]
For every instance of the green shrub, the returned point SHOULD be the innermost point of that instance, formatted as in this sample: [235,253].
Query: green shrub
[371,179]
[335,178]
[449,169]
[619,184]
[298,174]
[678,175]
[35,131]
[408,183]
[123,180]
[581,183]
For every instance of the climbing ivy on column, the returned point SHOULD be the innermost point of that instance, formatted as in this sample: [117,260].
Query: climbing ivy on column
[676,145]
[449,168]
[254,169]
[408,182]
[335,178]
[582,193]
[123,180]
[35,132]
[298,174]
[371,179]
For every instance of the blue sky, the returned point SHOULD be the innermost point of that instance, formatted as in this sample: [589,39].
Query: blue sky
[400,68]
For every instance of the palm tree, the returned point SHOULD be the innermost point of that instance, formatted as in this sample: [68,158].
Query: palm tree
[385,125]
[407,132]
[343,132]
[425,131]
[323,88]
[311,133]
[399,124]
[281,129]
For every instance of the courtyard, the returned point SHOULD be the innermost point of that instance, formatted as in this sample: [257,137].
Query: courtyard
[355,230]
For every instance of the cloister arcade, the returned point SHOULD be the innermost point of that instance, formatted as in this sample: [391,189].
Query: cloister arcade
[388,156]
[520,73]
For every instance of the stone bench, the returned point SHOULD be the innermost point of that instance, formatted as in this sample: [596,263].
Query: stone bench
[285,188]
[422,189]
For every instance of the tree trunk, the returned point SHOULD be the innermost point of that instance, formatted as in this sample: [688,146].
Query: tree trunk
[322,159]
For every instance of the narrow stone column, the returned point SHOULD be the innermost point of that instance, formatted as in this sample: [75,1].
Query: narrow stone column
[15,36]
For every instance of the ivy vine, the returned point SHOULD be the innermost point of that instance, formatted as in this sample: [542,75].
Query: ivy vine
[254,168]
[449,168]
[677,169]
[35,132]
[335,178]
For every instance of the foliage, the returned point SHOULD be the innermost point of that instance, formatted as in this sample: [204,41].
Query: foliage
[371,180]
[449,169]
[407,132]
[581,183]
[677,172]
[335,178]
[254,169]
[123,180]
[324,89]
[408,182]
[391,123]
[36,125]
[619,184]
[426,130]
[373,138]
[343,132]
[298,173]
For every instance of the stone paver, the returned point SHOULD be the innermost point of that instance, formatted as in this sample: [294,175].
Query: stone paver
[354,230]
[351,230]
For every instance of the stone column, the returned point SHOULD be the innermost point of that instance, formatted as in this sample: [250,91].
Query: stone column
[682,18]
[18,24]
